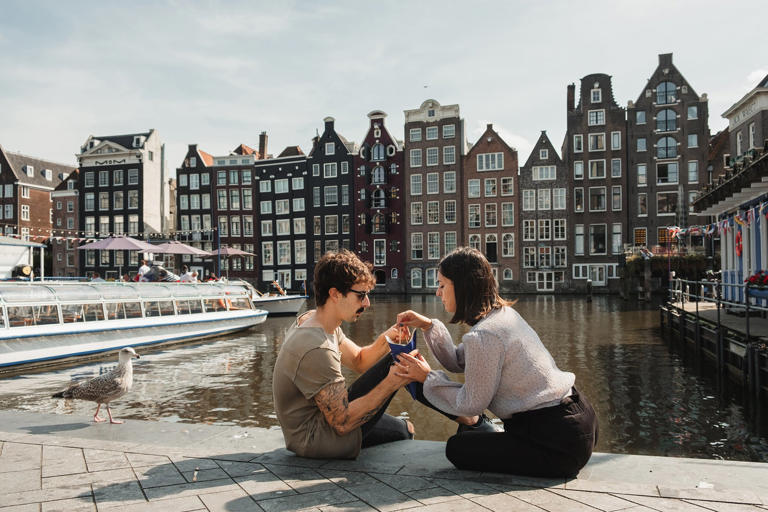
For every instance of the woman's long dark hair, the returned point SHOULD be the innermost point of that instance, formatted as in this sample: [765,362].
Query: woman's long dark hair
[475,288]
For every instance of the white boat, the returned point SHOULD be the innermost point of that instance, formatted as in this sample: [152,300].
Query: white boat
[280,304]
[46,321]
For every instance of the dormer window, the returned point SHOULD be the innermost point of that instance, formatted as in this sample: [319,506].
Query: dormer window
[137,141]
[48,174]
[29,170]
[596,95]
[92,144]
[431,112]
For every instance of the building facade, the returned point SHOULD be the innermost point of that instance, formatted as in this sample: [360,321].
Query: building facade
[667,149]
[544,185]
[490,170]
[66,227]
[284,236]
[379,205]
[123,192]
[331,180]
[595,154]
[433,152]
[26,184]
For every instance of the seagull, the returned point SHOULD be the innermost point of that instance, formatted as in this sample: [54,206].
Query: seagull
[105,388]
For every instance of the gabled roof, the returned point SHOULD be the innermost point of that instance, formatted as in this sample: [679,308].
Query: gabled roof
[291,151]
[71,177]
[125,140]
[206,158]
[543,142]
[17,162]
[244,150]
[489,129]
[665,63]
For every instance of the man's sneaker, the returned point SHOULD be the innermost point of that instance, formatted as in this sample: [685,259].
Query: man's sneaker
[483,425]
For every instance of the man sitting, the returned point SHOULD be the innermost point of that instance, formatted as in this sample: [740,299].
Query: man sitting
[320,417]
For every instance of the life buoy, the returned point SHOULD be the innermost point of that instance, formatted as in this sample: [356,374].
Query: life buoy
[738,244]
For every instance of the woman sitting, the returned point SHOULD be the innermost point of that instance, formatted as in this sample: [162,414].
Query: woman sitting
[550,428]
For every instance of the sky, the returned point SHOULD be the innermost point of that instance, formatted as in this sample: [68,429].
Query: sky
[217,73]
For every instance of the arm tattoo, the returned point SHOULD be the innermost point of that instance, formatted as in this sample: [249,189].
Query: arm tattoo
[334,403]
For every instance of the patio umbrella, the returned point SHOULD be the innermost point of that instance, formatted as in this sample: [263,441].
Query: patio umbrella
[227,252]
[119,243]
[176,247]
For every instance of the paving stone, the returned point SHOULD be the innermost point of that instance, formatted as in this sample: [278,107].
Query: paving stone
[550,501]
[59,493]
[190,489]
[264,486]
[503,481]
[664,504]
[205,474]
[59,460]
[352,506]
[730,495]
[284,457]
[232,501]
[18,481]
[458,505]
[18,457]
[467,488]
[639,489]
[383,497]
[404,483]
[142,459]
[32,507]
[185,504]
[187,465]
[70,505]
[726,507]
[433,495]
[598,500]
[505,503]
[156,476]
[307,500]
[301,479]
[118,494]
[347,478]
[236,468]
[99,460]
[113,475]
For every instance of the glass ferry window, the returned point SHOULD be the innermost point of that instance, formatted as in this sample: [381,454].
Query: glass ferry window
[151,309]
[195,306]
[166,308]
[42,314]
[46,314]
[20,316]
[115,311]
[240,303]
[72,313]
[132,309]
[214,305]
[93,312]
[182,306]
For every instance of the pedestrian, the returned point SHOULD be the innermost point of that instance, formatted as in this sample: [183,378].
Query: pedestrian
[143,269]
[186,275]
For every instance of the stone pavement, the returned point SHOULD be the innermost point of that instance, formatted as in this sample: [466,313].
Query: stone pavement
[67,463]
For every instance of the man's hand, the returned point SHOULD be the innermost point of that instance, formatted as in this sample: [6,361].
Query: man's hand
[398,333]
[414,319]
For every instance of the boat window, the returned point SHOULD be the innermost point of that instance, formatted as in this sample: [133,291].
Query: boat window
[43,314]
[166,308]
[195,306]
[242,303]
[115,311]
[121,291]
[93,312]
[132,309]
[214,305]
[151,309]
[183,306]
[72,313]
[22,292]
[77,292]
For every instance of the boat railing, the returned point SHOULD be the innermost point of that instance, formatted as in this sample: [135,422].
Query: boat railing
[56,309]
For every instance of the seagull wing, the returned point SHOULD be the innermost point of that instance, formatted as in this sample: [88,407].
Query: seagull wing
[100,389]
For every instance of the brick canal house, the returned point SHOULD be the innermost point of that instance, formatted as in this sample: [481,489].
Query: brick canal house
[668,136]
[379,205]
[283,215]
[490,169]
[434,150]
[66,227]
[594,151]
[544,184]
[123,190]
[331,181]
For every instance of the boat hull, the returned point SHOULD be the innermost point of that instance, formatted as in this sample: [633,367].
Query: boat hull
[280,304]
[40,344]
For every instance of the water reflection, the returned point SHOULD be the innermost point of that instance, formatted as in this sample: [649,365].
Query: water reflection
[649,399]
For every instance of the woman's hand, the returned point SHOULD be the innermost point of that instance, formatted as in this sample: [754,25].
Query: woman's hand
[396,334]
[414,319]
[412,366]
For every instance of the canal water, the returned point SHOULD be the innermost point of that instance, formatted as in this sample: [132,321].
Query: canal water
[650,398]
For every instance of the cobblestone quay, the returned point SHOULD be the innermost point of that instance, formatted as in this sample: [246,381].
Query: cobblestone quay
[67,463]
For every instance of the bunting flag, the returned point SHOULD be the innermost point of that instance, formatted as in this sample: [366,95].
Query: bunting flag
[710,229]
[738,220]
[673,231]
[750,216]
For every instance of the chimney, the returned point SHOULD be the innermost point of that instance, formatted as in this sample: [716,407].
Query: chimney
[665,59]
[489,126]
[571,97]
[263,145]
[329,121]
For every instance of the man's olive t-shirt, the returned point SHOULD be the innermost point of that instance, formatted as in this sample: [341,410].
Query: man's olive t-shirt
[308,361]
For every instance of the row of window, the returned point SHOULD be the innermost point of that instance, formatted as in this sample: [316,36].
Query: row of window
[117,178]
[667,116]
[545,257]
[231,226]
[284,252]
[8,209]
[597,243]
[433,212]
[666,147]
[544,199]
[548,229]
[596,169]
[491,218]
[449,132]
[433,245]
[329,170]
[70,222]
[70,206]
[433,154]
[118,200]
[112,225]
[666,203]
[596,142]
[597,199]
[433,183]
[507,187]
[6,191]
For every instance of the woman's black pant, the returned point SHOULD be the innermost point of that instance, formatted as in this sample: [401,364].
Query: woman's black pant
[555,441]
[383,428]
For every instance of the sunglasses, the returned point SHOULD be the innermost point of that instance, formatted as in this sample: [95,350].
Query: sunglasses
[360,295]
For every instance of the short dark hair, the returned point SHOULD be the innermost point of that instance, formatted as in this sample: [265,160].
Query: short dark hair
[339,270]
[474,286]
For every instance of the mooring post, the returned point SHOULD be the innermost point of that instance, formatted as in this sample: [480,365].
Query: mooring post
[700,287]
[719,339]
[746,300]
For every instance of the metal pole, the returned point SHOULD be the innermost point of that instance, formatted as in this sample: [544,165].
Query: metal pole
[746,299]
[218,255]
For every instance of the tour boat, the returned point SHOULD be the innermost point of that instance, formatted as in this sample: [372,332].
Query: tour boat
[280,304]
[52,320]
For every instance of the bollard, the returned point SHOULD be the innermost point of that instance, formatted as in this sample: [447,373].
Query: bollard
[589,290]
